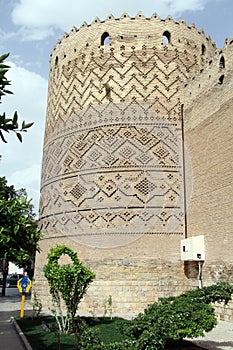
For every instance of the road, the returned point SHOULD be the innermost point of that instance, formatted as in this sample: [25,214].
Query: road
[11,292]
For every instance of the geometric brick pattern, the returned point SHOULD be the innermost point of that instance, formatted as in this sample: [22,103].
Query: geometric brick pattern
[119,179]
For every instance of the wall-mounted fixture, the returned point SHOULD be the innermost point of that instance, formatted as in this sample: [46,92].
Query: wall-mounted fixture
[193,248]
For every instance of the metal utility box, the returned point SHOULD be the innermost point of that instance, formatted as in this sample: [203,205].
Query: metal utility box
[193,248]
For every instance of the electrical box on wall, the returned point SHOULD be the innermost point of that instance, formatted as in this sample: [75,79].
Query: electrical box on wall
[193,248]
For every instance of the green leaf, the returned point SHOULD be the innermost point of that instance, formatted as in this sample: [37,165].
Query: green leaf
[15,118]
[4,56]
[8,92]
[2,137]
[19,137]
[8,124]
[26,126]
[4,66]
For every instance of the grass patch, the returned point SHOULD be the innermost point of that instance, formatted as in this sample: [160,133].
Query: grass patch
[109,331]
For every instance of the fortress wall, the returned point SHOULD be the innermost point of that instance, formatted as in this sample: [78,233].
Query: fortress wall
[215,79]
[133,275]
[132,281]
[208,139]
[210,211]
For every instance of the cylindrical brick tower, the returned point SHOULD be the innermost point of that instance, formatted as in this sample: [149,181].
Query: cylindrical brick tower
[113,185]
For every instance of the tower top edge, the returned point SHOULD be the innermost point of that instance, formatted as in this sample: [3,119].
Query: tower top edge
[126,18]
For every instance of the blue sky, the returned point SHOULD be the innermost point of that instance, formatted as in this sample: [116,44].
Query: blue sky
[30,28]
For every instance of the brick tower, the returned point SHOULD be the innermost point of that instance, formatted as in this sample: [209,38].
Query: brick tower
[116,178]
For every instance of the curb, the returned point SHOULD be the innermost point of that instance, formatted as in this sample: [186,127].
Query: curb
[21,334]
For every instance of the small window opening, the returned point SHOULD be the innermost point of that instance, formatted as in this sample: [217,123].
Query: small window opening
[203,49]
[166,37]
[222,63]
[105,39]
[107,91]
[220,81]
[56,61]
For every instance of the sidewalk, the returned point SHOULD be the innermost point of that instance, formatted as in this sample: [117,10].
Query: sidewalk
[9,339]
[220,338]
[10,307]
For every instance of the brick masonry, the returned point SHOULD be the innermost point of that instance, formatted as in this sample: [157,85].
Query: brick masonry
[118,183]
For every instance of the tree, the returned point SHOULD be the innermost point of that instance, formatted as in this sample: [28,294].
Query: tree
[175,318]
[19,234]
[68,283]
[9,124]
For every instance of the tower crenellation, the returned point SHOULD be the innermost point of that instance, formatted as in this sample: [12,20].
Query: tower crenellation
[143,28]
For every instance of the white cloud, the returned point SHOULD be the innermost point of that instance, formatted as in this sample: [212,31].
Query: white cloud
[34,33]
[21,163]
[179,6]
[39,18]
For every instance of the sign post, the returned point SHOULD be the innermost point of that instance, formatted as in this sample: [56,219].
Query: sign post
[24,284]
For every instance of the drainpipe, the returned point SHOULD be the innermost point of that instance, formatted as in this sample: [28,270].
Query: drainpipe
[200,263]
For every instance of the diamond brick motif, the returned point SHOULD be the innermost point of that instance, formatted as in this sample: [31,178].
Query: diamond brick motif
[78,191]
[127,152]
[145,186]
[144,158]
[127,215]
[93,156]
[109,188]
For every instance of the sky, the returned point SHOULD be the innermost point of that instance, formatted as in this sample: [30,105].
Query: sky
[28,31]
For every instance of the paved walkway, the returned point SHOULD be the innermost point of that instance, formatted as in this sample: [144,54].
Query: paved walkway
[10,307]
[9,338]
[220,338]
